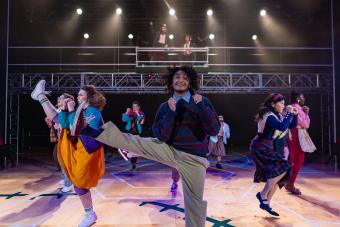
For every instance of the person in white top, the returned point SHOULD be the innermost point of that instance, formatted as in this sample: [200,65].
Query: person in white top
[216,143]
[188,54]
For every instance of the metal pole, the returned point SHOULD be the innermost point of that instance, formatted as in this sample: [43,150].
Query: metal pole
[18,126]
[322,127]
[6,102]
[333,71]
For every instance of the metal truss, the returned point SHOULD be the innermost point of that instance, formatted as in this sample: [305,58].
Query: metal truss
[140,83]
[156,82]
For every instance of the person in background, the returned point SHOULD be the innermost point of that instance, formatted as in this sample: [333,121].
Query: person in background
[134,119]
[188,54]
[296,154]
[216,143]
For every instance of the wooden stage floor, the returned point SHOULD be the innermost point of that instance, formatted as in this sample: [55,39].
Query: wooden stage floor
[29,197]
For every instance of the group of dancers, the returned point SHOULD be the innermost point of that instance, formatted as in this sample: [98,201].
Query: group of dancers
[181,128]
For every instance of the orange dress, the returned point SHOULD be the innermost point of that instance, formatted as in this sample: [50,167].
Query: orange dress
[83,169]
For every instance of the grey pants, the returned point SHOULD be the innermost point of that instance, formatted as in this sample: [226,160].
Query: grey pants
[191,168]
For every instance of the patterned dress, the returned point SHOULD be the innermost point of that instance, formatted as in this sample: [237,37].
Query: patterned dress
[269,162]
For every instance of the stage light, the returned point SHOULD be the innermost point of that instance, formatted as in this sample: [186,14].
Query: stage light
[171,36]
[211,36]
[210,12]
[119,11]
[263,12]
[79,11]
[172,12]
[254,37]
[130,36]
[86,36]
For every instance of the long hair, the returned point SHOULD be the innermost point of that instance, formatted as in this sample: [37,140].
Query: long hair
[192,75]
[94,97]
[266,106]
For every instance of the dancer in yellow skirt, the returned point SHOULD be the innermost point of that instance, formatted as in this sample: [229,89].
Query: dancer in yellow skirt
[82,166]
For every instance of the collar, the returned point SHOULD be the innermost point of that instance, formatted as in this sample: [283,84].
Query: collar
[186,97]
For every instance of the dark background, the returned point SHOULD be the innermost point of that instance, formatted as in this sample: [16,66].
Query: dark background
[48,23]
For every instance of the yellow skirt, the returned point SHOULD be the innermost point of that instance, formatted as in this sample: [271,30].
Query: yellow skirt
[83,169]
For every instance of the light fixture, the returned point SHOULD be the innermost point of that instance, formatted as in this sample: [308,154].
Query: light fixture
[172,12]
[263,12]
[254,37]
[211,36]
[171,36]
[210,12]
[79,11]
[86,36]
[130,36]
[119,11]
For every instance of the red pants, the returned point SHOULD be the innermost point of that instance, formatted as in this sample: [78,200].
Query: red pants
[296,155]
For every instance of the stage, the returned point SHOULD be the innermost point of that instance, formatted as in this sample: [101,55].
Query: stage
[29,197]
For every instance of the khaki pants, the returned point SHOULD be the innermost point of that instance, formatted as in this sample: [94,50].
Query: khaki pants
[191,168]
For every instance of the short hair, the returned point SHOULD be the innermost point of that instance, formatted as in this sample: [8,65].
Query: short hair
[136,103]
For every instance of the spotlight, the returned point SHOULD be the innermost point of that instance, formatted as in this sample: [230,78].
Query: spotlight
[171,36]
[211,36]
[254,37]
[172,12]
[119,11]
[210,12]
[79,11]
[130,36]
[263,12]
[86,36]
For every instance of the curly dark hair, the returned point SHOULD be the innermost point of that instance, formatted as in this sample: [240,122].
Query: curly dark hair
[294,96]
[192,75]
[266,106]
[94,97]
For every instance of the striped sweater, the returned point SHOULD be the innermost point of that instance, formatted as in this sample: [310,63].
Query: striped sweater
[187,129]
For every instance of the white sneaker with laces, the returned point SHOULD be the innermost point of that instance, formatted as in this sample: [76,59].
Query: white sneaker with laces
[124,154]
[39,89]
[89,219]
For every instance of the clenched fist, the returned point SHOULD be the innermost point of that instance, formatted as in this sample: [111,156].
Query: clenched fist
[197,98]
[172,104]
[306,109]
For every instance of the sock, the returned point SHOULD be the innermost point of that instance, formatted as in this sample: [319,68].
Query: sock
[88,210]
[43,100]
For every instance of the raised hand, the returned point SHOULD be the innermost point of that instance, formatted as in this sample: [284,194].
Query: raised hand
[71,105]
[197,98]
[306,109]
[172,104]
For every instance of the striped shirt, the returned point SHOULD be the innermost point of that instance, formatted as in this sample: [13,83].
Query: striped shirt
[187,129]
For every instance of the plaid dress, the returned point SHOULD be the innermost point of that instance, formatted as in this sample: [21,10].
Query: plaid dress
[269,163]
[269,160]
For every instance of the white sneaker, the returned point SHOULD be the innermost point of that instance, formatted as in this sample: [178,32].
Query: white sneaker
[66,189]
[124,154]
[89,219]
[39,89]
